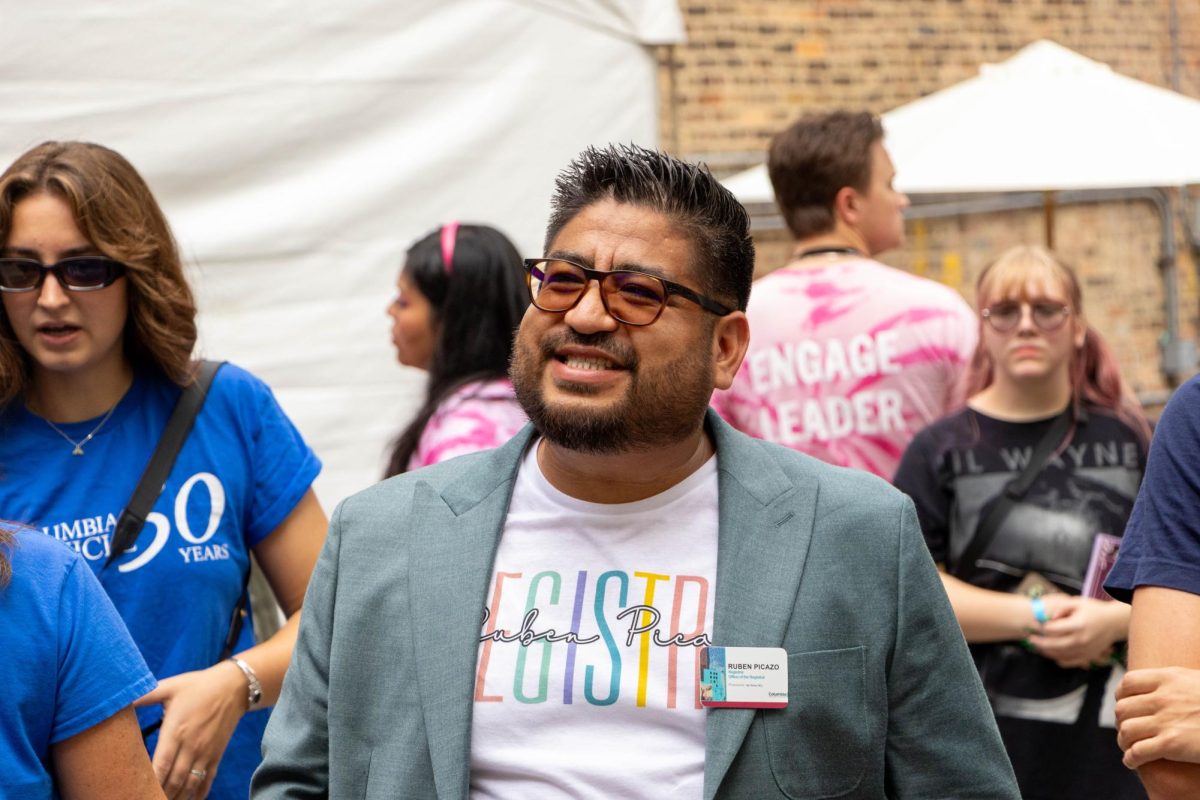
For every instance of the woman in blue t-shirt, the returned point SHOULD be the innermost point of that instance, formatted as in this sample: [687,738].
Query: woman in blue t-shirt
[66,727]
[97,328]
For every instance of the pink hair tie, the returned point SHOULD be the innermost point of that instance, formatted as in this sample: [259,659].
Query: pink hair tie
[449,234]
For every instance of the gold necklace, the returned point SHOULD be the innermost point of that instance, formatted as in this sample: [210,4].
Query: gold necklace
[78,446]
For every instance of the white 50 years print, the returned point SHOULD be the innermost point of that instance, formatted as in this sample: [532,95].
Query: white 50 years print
[92,536]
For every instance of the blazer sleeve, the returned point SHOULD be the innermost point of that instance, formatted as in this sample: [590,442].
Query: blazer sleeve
[296,743]
[942,739]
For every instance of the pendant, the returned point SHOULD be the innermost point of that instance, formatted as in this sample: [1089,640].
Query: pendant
[78,451]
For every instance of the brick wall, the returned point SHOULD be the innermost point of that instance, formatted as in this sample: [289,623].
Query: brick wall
[749,68]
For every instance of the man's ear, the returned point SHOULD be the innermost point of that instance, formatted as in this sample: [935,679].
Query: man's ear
[846,205]
[731,337]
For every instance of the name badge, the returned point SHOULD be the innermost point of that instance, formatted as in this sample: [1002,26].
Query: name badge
[743,677]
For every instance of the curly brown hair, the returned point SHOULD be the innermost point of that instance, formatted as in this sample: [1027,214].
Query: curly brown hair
[115,210]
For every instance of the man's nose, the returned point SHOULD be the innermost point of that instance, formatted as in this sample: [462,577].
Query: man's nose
[590,315]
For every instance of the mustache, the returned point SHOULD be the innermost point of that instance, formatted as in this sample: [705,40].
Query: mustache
[620,352]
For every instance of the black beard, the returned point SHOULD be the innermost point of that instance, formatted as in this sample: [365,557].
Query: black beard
[654,412]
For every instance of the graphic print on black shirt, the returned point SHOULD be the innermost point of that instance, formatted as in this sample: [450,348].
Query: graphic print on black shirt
[956,468]
[1057,723]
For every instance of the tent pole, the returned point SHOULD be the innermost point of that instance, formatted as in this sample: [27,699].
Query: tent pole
[1178,354]
[1048,213]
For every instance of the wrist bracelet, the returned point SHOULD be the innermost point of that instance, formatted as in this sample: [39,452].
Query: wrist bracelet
[253,687]
[1039,610]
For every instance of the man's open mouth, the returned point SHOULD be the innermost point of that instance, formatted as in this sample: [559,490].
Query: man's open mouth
[580,362]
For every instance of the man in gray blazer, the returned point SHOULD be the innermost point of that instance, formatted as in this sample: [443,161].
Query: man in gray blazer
[546,619]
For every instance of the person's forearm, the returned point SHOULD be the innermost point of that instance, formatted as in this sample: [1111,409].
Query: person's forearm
[107,760]
[270,659]
[1170,780]
[1163,633]
[986,615]
[1118,615]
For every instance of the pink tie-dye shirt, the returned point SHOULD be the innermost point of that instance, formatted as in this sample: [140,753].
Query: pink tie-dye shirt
[477,416]
[847,362]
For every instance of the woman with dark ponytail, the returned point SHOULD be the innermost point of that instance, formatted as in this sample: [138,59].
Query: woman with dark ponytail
[460,298]
[1020,540]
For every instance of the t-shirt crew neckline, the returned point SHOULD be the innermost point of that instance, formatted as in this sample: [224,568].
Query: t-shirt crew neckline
[539,483]
[1031,423]
[821,263]
[39,427]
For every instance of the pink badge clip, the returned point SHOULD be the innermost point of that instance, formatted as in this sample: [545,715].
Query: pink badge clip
[449,235]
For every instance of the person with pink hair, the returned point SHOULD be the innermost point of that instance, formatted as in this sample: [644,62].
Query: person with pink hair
[1022,496]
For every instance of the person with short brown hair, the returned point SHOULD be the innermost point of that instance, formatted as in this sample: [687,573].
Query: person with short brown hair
[814,159]
[850,357]
[537,620]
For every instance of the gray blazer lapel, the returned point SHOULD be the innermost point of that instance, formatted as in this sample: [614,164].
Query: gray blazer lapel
[455,534]
[766,519]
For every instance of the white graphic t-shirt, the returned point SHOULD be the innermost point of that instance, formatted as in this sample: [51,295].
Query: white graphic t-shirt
[586,682]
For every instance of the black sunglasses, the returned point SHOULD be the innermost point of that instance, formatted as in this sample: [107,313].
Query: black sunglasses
[79,274]
[634,298]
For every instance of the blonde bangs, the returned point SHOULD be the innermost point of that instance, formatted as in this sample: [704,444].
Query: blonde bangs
[1027,273]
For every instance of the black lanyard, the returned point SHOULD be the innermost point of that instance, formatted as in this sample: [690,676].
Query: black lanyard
[818,251]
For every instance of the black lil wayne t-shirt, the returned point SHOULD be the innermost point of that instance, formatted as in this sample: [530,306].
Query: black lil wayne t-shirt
[1057,724]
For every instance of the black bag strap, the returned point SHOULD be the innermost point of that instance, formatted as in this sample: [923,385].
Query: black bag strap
[989,524]
[149,487]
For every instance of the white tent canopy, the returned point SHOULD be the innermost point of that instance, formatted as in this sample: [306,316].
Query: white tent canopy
[299,149]
[1046,119]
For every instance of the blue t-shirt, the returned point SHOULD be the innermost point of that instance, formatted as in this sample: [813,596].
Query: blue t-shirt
[68,660]
[243,468]
[1162,540]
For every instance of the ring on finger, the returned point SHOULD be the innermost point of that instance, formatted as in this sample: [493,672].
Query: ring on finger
[199,773]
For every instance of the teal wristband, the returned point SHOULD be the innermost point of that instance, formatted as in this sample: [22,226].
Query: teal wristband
[1039,610]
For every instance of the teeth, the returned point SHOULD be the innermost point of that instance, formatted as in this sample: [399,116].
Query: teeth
[575,362]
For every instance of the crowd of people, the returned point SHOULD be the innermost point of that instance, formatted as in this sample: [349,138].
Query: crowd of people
[905,507]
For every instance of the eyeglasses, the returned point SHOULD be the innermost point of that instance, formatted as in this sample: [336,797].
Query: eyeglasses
[1006,316]
[81,274]
[631,297]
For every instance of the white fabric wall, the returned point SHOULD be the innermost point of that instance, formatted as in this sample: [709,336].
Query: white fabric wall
[299,147]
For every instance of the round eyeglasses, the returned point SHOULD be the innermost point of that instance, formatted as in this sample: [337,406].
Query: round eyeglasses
[1006,316]
[634,298]
[79,274]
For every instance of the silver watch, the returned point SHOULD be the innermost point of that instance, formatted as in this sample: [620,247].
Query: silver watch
[253,687]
